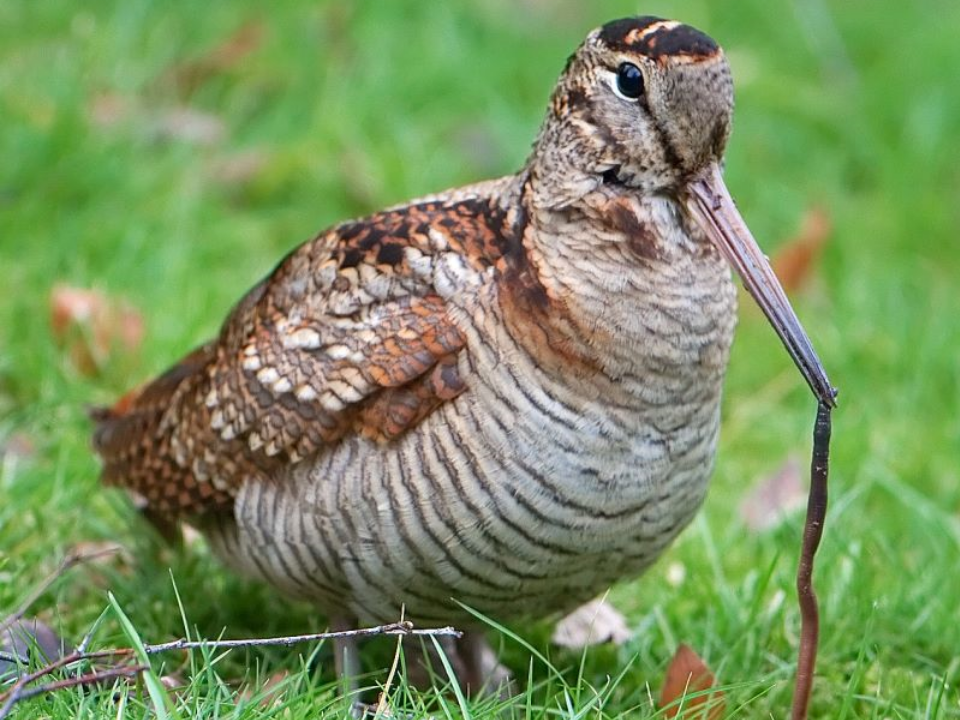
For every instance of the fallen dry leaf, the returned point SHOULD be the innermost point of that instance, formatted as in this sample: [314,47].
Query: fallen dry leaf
[594,623]
[774,497]
[187,76]
[90,326]
[174,682]
[687,675]
[796,259]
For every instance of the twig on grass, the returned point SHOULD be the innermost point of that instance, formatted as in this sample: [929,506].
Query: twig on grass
[21,690]
[404,627]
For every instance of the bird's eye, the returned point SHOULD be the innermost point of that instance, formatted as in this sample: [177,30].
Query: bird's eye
[629,81]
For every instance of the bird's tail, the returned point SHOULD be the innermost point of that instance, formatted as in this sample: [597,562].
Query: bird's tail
[135,439]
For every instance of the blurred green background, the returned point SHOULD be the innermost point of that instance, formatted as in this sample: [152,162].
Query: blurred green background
[167,154]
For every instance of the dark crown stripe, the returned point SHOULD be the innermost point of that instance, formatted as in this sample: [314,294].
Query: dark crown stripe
[615,34]
[641,35]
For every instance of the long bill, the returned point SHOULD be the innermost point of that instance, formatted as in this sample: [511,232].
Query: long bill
[710,204]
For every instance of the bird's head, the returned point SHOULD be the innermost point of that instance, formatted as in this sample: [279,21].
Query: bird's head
[644,107]
[644,102]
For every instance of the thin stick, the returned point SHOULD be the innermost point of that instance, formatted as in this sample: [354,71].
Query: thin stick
[812,532]
[70,560]
[20,691]
[403,627]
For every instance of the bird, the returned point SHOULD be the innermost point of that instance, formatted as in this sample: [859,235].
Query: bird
[500,399]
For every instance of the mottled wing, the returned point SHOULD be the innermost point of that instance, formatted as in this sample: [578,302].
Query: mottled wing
[348,335]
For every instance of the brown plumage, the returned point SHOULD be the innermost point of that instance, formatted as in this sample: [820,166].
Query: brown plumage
[505,395]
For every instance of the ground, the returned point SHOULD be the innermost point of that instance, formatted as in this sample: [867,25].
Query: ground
[168,154]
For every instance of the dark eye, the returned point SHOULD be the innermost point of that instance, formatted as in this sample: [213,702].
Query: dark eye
[629,81]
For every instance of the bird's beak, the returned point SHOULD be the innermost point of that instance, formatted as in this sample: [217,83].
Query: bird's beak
[710,204]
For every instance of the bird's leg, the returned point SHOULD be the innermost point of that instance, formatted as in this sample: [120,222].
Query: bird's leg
[472,660]
[346,657]
[424,665]
[482,671]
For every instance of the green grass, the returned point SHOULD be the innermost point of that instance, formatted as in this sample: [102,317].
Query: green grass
[852,106]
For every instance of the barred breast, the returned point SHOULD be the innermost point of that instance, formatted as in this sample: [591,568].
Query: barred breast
[580,448]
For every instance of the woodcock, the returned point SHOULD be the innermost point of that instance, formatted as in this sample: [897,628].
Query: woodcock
[505,395]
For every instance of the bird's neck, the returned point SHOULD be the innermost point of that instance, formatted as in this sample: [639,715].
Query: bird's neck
[563,167]
[621,284]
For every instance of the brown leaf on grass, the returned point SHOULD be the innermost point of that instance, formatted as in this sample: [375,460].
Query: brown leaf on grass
[594,623]
[174,682]
[774,497]
[688,675]
[797,258]
[185,77]
[91,327]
